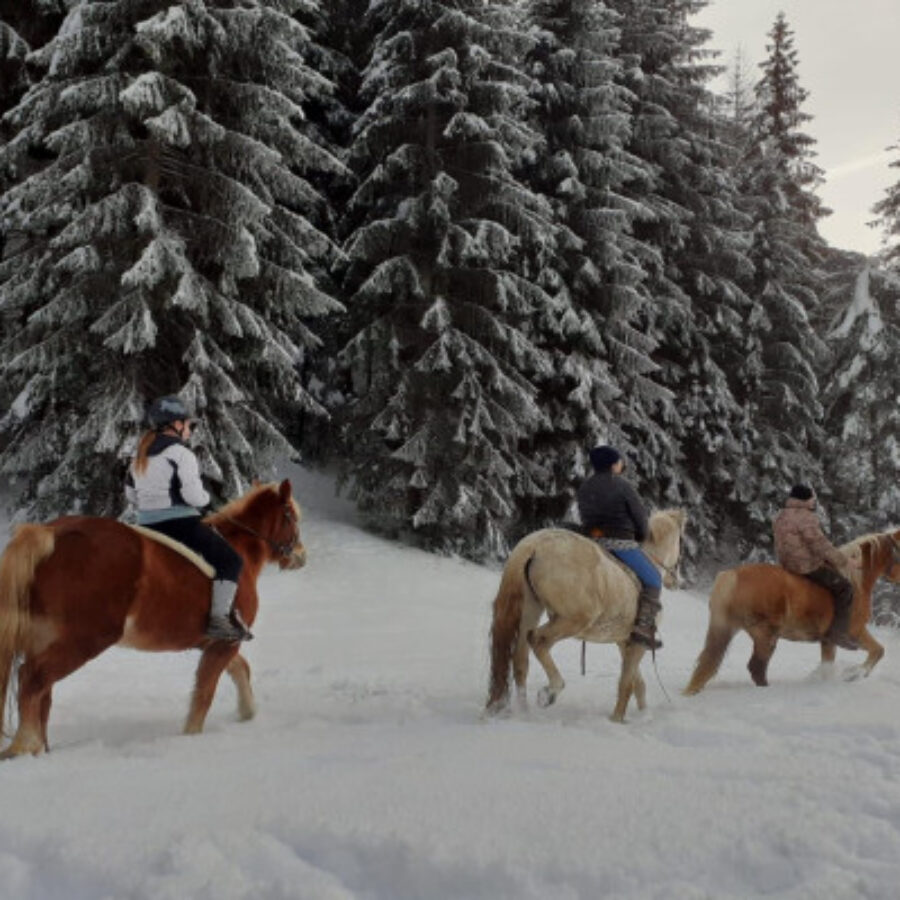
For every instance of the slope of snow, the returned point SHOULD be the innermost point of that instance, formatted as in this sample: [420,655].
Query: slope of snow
[370,773]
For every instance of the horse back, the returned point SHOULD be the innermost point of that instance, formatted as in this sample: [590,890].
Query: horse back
[104,578]
[573,578]
[764,593]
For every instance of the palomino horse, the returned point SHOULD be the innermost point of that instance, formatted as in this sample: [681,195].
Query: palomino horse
[586,594]
[75,586]
[769,603]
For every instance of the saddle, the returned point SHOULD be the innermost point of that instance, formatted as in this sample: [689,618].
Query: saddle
[596,535]
[179,548]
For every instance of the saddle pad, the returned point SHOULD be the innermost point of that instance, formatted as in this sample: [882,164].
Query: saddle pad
[186,552]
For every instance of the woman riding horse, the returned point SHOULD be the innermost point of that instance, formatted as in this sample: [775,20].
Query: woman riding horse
[803,549]
[613,515]
[164,484]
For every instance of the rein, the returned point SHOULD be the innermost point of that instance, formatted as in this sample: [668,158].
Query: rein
[282,550]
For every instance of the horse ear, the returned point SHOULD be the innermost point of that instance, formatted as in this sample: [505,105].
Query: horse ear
[284,490]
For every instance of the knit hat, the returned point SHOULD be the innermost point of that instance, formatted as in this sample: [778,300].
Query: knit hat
[604,457]
[802,492]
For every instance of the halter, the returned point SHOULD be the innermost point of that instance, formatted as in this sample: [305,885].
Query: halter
[895,551]
[672,571]
[282,551]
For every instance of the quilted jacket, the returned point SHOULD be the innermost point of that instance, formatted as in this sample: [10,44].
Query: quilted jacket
[800,544]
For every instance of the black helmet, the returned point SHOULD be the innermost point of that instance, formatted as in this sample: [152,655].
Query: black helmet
[166,410]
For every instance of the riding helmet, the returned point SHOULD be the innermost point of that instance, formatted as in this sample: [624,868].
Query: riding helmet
[166,410]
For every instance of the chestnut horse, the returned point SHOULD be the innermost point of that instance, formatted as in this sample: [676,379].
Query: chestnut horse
[769,603]
[75,586]
[586,593]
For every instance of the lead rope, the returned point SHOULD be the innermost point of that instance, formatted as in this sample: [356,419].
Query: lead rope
[659,680]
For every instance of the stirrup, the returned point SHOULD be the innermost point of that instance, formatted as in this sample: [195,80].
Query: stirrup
[238,620]
[227,628]
[648,640]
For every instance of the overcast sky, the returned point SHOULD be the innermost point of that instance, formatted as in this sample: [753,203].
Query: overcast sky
[849,61]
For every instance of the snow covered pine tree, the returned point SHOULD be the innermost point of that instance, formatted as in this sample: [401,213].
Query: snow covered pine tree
[442,239]
[170,241]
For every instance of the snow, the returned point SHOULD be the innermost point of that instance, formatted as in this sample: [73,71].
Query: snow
[369,771]
[861,305]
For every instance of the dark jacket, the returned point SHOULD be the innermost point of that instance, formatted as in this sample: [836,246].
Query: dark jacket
[609,503]
[800,545]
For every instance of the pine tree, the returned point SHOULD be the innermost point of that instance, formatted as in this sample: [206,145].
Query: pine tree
[24,25]
[602,379]
[694,243]
[441,239]
[888,212]
[862,462]
[171,241]
[779,182]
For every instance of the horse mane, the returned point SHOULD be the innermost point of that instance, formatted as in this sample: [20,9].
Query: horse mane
[235,508]
[663,520]
[856,548]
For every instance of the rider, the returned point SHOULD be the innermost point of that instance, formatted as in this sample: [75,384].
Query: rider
[164,484]
[803,549]
[612,513]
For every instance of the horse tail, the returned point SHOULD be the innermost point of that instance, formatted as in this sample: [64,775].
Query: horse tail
[505,630]
[30,546]
[720,632]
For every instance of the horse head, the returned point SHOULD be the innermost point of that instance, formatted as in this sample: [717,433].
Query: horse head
[893,570]
[664,544]
[270,513]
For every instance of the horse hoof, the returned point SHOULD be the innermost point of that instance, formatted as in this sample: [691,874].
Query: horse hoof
[617,718]
[855,673]
[546,697]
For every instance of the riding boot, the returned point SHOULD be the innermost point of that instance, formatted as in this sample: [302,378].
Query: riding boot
[837,631]
[225,623]
[644,631]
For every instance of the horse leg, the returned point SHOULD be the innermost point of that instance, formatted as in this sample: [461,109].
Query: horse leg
[764,641]
[542,640]
[45,716]
[640,686]
[37,676]
[874,650]
[632,654]
[213,661]
[531,614]
[239,670]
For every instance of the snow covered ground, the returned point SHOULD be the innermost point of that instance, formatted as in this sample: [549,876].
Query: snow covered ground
[369,772]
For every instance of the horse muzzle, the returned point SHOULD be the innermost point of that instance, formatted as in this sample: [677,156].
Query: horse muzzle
[297,559]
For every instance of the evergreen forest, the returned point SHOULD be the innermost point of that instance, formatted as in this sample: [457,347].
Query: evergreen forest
[443,247]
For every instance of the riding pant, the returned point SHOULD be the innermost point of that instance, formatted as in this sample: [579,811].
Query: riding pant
[836,584]
[637,561]
[203,540]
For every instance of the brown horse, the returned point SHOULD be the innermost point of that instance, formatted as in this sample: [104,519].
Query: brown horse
[769,603]
[75,586]
[586,594]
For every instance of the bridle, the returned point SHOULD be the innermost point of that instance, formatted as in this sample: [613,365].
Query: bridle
[895,551]
[671,571]
[282,551]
